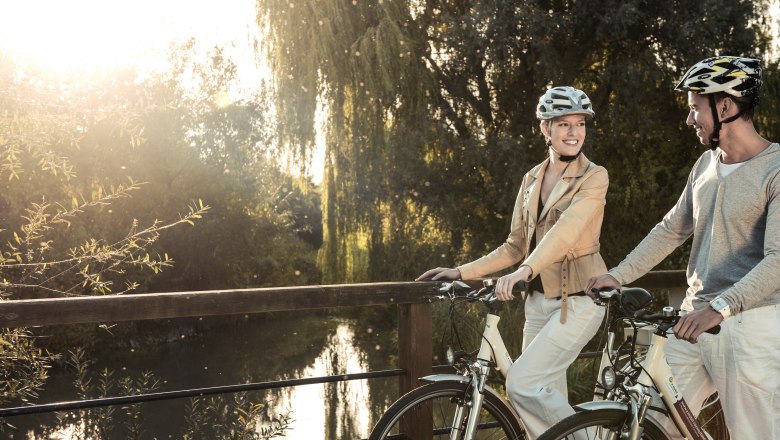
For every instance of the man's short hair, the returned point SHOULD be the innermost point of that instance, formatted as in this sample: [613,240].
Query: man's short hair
[742,102]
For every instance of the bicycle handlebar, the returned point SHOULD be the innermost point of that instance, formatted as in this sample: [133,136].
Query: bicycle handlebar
[669,317]
[461,290]
[632,301]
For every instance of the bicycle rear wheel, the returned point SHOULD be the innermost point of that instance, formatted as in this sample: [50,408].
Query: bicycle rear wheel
[711,418]
[446,405]
[598,424]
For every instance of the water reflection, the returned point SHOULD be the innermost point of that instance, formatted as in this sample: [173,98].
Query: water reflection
[345,403]
[238,350]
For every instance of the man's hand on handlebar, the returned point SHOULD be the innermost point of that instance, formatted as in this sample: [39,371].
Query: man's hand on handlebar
[600,282]
[505,284]
[690,326]
[440,273]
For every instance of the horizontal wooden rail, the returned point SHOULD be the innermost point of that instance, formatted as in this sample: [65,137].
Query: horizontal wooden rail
[75,310]
[662,279]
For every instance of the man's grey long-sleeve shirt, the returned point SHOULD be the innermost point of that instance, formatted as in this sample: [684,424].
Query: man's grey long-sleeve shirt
[735,223]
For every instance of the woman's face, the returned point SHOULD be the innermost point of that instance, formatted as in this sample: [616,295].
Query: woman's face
[567,134]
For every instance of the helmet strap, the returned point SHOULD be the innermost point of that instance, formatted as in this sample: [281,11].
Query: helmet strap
[563,157]
[716,124]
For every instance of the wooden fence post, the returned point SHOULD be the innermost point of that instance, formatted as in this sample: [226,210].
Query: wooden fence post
[415,355]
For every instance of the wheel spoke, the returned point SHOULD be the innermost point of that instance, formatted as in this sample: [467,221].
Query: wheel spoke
[445,403]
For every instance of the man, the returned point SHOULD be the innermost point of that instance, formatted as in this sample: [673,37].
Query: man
[731,207]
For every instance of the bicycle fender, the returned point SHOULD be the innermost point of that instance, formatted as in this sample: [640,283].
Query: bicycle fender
[446,378]
[601,404]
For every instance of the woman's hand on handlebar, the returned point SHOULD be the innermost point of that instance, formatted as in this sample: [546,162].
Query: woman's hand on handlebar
[605,281]
[440,273]
[505,284]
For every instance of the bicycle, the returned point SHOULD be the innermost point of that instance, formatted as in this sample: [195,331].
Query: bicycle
[462,405]
[633,381]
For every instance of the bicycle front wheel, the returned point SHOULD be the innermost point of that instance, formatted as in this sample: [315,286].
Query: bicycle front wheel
[443,408]
[598,424]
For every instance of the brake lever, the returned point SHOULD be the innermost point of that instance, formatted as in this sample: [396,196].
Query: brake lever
[445,287]
[607,295]
[489,298]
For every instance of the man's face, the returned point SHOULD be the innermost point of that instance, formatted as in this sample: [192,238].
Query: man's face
[700,116]
[567,134]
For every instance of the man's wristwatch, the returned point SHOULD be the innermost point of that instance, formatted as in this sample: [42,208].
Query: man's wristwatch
[721,306]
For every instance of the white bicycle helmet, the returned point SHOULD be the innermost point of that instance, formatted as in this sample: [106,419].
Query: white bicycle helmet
[565,100]
[736,76]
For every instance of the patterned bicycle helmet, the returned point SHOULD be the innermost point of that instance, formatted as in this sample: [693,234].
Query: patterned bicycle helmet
[736,76]
[566,100]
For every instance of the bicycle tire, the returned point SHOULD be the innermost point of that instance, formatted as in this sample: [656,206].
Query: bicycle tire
[442,399]
[601,424]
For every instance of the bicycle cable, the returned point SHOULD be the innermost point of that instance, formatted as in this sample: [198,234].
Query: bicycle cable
[594,367]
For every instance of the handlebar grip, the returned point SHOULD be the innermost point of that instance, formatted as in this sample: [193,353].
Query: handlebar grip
[519,287]
[644,314]
[713,331]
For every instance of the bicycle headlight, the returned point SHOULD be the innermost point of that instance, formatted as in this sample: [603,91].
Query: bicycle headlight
[450,356]
[608,378]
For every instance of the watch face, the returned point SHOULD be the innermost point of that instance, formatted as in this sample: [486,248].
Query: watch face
[719,304]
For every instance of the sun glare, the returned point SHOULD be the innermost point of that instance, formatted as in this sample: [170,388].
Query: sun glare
[85,35]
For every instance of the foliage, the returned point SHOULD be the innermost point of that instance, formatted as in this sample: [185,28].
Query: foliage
[200,145]
[46,249]
[23,367]
[68,223]
[215,417]
[42,252]
[431,123]
[185,142]
[103,422]
[767,116]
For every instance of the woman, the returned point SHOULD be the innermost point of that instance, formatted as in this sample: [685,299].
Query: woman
[555,236]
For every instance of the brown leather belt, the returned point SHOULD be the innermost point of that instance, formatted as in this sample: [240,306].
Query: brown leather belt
[580,293]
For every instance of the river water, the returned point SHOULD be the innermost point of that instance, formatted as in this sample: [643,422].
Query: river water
[207,352]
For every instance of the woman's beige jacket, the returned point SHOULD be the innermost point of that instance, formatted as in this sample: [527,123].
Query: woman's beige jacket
[567,231]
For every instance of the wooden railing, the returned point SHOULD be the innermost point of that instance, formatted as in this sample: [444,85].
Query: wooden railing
[414,312]
[414,323]
[75,310]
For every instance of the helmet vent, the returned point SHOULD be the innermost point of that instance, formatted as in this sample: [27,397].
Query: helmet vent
[736,76]
[561,101]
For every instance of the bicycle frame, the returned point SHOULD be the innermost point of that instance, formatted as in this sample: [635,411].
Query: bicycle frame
[492,353]
[654,370]
[661,374]
[492,347]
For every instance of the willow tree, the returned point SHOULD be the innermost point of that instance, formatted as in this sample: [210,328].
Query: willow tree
[430,112]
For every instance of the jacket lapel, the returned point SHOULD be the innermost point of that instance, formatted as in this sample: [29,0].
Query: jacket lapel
[573,171]
[558,191]
[532,196]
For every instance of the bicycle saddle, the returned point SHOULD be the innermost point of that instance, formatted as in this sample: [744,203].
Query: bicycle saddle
[633,299]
